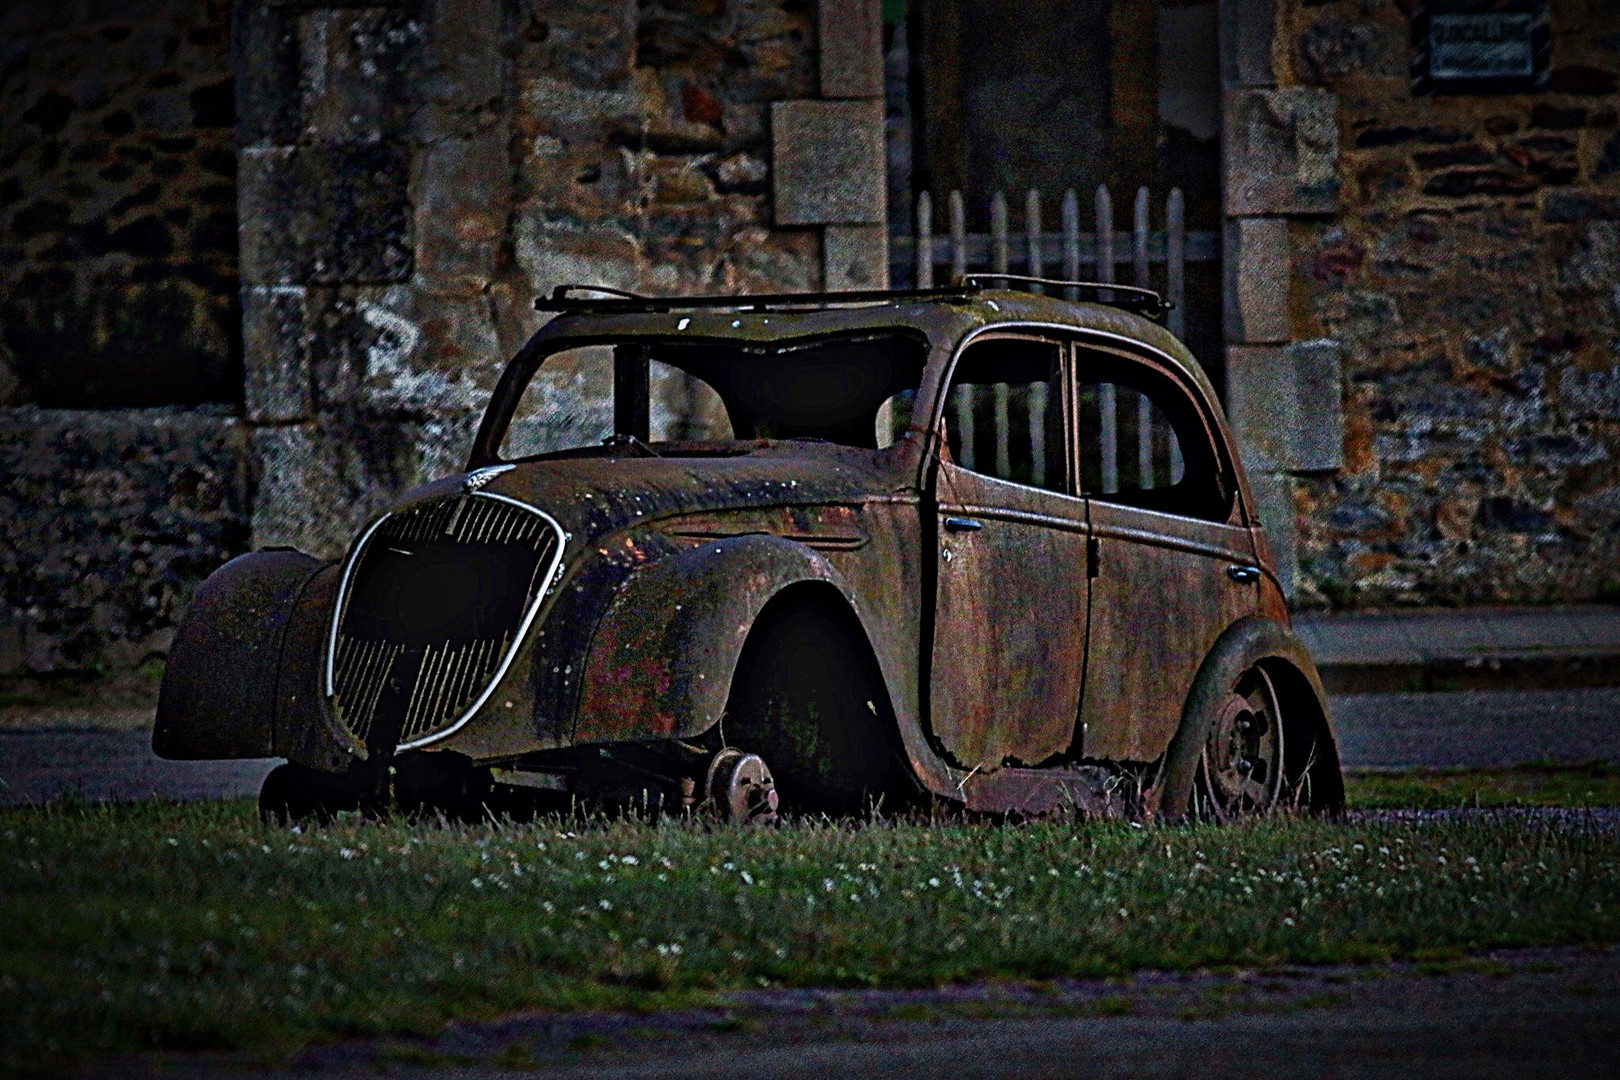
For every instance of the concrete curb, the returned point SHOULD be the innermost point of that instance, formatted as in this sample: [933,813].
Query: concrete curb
[1465,649]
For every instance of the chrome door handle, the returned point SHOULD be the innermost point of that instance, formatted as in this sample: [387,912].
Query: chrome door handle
[961,524]
[1243,573]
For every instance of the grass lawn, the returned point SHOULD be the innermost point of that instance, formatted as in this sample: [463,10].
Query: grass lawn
[1593,784]
[159,926]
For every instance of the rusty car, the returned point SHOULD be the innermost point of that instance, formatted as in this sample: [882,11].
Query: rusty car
[988,545]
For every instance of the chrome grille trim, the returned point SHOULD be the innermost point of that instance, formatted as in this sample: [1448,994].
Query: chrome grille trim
[453,669]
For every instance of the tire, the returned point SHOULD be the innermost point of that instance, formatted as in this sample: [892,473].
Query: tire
[292,794]
[808,699]
[1259,674]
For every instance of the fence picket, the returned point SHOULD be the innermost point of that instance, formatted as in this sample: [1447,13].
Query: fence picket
[1108,419]
[959,247]
[1032,230]
[925,241]
[1071,240]
[998,234]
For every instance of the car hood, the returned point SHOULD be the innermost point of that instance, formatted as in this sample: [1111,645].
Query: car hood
[591,497]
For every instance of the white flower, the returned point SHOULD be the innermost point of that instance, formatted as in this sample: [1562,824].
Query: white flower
[605,905]
[748,879]
[630,860]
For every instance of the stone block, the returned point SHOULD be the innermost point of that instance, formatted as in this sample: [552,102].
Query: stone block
[855,257]
[461,196]
[335,213]
[1318,430]
[1566,207]
[1246,30]
[851,48]
[357,72]
[1282,152]
[1351,48]
[827,162]
[1285,406]
[275,353]
[1258,261]
[465,67]
[268,71]
[1274,508]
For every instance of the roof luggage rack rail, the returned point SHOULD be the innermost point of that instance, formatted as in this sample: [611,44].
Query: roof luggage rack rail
[618,300]
[1129,297]
[609,300]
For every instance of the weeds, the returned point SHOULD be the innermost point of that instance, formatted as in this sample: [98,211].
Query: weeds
[1592,784]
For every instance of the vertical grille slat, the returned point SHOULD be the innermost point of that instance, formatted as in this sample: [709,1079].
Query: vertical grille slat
[450,647]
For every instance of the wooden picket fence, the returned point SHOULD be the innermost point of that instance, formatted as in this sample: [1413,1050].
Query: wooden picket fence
[1072,255]
[1068,253]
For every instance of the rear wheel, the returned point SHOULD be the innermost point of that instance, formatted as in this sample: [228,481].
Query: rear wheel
[1240,772]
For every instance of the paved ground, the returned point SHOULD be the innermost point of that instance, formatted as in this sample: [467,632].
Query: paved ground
[1553,1012]
[1487,727]
[1375,730]
[1465,648]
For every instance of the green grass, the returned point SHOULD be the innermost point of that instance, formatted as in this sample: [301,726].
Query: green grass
[155,926]
[1594,784]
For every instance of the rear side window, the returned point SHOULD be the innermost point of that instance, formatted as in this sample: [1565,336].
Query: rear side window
[1144,442]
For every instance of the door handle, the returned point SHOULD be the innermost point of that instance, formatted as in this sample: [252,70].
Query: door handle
[961,524]
[1243,573]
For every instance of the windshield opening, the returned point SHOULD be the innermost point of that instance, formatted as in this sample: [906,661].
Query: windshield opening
[710,397]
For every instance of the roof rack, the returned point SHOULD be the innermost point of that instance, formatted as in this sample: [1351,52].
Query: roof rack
[1129,297]
[562,298]
[609,300]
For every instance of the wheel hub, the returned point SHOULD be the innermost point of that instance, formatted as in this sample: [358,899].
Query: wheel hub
[1242,762]
[740,787]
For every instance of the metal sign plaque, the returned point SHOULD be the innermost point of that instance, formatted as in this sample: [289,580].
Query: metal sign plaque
[1479,46]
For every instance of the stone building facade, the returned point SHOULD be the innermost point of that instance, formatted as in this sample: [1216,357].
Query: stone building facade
[1467,273]
[259,263]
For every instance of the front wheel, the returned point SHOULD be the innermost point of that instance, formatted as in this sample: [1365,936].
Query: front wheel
[1240,772]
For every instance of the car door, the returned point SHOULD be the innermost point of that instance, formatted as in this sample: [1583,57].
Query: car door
[1174,561]
[1010,554]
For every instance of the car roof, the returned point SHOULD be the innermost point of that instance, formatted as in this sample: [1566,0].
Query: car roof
[944,318]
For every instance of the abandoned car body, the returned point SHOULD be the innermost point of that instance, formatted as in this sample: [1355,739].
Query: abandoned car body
[987,546]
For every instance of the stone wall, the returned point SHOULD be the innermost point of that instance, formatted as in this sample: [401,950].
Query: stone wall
[415,174]
[117,205]
[107,522]
[1468,282]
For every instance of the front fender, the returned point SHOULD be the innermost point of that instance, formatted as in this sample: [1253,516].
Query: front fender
[218,698]
[662,658]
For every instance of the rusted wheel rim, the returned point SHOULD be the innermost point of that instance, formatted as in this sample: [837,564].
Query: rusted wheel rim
[1242,763]
[740,788]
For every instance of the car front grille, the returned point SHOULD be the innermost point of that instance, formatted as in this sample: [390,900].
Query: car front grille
[433,607]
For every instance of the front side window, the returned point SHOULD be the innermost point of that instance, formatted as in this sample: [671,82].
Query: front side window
[1004,412]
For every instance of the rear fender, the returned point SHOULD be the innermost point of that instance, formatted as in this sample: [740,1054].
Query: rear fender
[219,692]
[1311,758]
[661,661]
